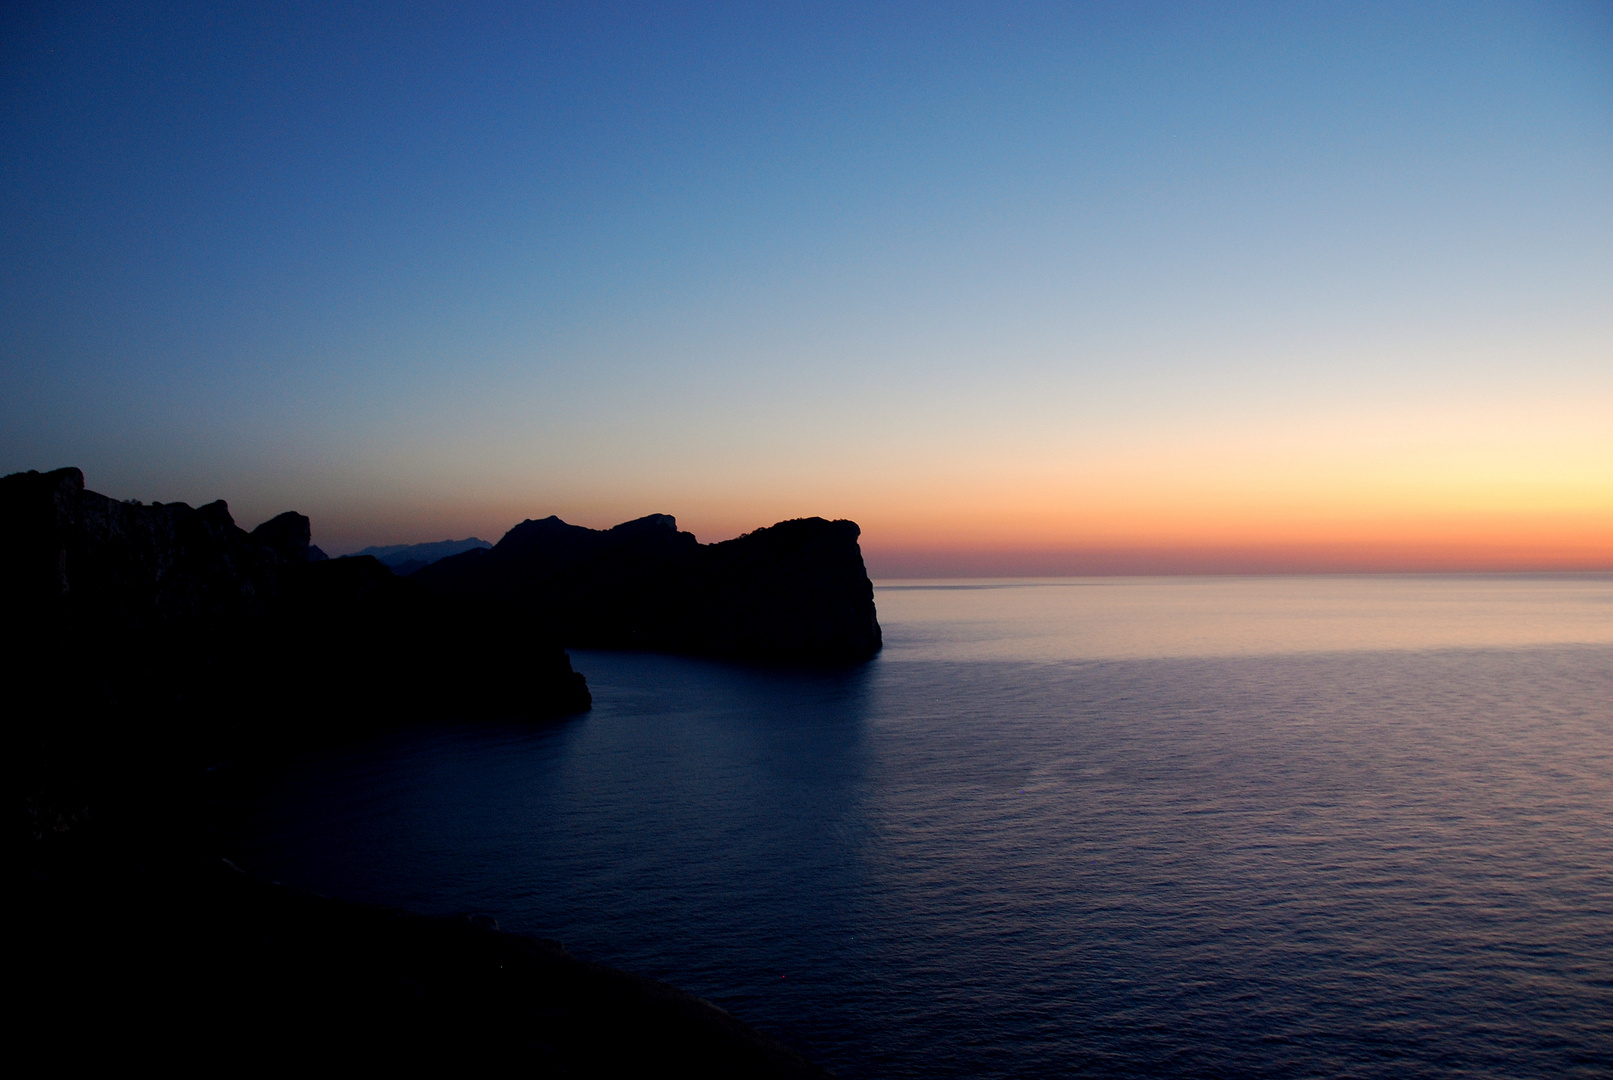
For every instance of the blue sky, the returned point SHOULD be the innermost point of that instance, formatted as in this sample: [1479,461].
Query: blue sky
[980,278]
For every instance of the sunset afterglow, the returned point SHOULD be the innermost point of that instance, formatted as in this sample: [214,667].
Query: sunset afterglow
[1072,289]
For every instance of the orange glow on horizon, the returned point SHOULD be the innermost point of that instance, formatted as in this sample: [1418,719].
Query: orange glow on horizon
[1431,486]
[885,561]
[1247,539]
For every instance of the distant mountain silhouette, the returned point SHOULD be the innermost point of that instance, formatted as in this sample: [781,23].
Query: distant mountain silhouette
[795,592]
[405,559]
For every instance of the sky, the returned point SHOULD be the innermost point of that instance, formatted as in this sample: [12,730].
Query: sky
[1020,288]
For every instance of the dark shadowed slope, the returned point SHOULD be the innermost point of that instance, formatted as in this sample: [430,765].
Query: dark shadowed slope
[795,592]
[206,965]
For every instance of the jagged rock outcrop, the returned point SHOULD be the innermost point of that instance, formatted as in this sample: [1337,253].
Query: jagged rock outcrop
[795,592]
[77,561]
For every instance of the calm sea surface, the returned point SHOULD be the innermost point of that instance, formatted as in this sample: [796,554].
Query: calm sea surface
[1222,826]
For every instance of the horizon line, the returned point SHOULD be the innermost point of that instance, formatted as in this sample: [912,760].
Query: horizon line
[1231,561]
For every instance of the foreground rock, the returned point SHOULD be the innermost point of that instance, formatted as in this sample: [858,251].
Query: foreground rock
[212,969]
[796,592]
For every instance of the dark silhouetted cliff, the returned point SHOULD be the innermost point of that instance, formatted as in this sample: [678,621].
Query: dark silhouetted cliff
[145,641]
[151,645]
[795,592]
[74,561]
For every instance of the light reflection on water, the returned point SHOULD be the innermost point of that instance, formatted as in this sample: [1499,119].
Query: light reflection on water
[1115,618]
[1264,827]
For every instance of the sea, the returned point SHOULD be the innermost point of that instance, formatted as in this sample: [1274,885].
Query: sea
[1223,826]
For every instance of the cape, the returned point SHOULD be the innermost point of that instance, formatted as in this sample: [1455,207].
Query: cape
[796,592]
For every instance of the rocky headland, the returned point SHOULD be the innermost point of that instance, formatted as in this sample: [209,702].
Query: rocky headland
[796,592]
[153,648]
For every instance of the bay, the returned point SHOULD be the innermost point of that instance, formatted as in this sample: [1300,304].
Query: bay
[1217,826]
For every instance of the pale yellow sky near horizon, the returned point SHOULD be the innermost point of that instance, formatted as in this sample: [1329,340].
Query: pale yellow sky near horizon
[1474,483]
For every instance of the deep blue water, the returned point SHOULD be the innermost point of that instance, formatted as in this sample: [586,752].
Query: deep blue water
[1281,827]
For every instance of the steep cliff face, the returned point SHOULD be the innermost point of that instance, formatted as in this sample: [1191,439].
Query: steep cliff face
[83,562]
[798,588]
[794,592]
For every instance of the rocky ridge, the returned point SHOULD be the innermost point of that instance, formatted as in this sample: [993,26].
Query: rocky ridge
[795,592]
